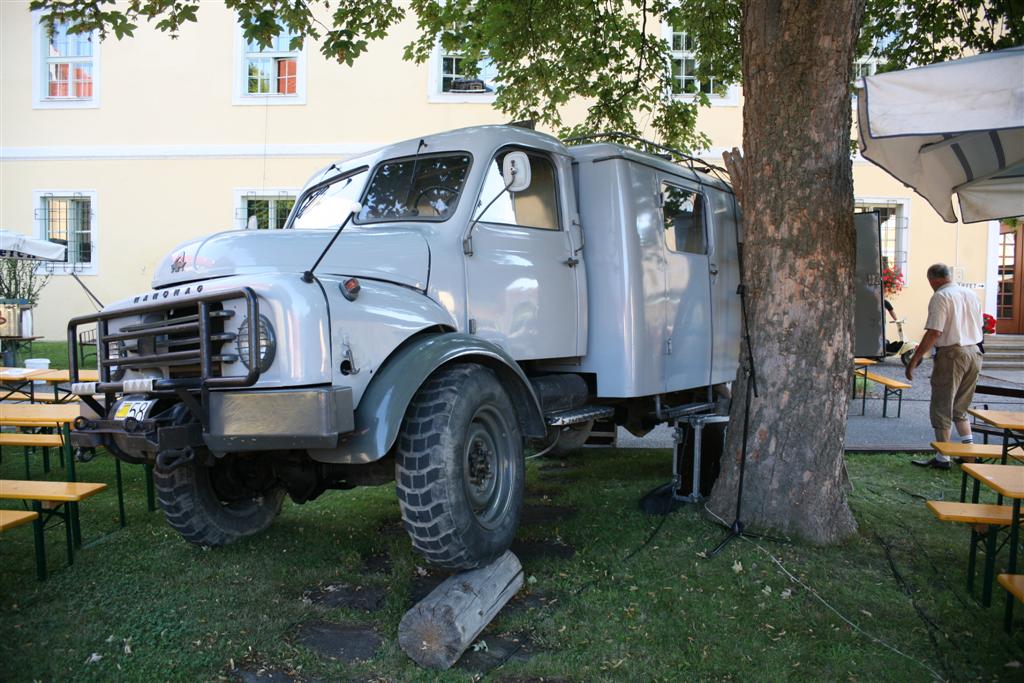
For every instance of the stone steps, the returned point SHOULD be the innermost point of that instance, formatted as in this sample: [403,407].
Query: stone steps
[1004,352]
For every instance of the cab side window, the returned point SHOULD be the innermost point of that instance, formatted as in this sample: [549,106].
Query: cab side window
[534,207]
[683,213]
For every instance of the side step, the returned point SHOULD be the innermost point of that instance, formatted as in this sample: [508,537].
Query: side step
[565,418]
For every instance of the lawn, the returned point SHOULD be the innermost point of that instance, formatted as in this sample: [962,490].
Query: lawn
[637,600]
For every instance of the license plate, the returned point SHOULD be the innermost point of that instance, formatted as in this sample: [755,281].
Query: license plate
[133,409]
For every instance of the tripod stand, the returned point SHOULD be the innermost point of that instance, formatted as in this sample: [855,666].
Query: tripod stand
[736,529]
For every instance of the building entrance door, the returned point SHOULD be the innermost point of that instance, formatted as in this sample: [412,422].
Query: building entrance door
[1009,318]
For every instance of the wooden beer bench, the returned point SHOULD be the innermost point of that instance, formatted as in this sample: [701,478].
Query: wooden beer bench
[49,499]
[892,387]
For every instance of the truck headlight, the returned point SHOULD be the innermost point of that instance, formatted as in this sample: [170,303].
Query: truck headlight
[267,344]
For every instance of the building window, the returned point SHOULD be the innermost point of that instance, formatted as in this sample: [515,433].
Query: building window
[263,209]
[894,220]
[69,219]
[66,67]
[683,72]
[453,80]
[275,74]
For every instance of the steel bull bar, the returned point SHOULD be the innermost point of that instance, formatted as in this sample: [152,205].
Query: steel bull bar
[195,331]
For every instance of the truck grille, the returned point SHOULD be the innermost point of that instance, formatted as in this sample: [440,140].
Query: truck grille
[185,339]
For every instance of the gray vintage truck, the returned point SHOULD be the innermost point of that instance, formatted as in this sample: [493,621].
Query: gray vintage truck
[430,309]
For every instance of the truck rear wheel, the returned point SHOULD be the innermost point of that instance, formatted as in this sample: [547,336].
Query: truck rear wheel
[459,468]
[217,505]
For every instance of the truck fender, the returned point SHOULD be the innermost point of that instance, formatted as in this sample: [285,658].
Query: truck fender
[383,404]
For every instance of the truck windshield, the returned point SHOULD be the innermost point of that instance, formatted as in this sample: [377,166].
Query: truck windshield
[325,205]
[425,187]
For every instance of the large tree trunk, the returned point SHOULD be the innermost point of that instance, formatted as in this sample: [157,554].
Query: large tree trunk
[795,186]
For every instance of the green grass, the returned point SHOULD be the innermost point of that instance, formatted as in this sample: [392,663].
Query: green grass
[664,614]
[56,351]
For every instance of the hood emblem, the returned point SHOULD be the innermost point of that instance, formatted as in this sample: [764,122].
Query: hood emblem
[179,263]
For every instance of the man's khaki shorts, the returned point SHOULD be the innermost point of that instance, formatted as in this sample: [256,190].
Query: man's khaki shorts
[954,376]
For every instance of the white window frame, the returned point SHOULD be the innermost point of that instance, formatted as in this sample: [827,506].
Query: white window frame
[243,194]
[731,98]
[902,243]
[435,82]
[61,268]
[240,96]
[40,80]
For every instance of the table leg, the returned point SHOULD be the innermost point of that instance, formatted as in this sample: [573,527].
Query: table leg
[150,493]
[1014,538]
[76,525]
[120,490]
[69,536]
[864,394]
[37,528]
[990,566]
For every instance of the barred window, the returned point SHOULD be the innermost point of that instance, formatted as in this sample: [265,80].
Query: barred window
[68,220]
[265,212]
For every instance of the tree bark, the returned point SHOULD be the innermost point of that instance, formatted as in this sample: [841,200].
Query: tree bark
[796,186]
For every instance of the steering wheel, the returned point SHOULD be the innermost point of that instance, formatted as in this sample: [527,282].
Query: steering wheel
[433,188]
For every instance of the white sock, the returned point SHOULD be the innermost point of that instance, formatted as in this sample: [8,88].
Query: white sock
[967,439]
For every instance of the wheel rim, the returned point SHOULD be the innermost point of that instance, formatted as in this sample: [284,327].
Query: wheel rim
[488,466]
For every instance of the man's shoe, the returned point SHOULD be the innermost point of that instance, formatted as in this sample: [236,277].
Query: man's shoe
[934,463]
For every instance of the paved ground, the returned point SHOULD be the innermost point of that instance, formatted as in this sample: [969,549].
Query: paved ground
[872,432]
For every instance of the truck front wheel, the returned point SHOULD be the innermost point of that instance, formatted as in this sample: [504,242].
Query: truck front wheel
[218,505]
[460,469]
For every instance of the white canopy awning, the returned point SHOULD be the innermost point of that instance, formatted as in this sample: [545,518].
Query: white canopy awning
[19,246]
[954,127]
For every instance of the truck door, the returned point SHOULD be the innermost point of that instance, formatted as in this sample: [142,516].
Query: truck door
[521,279]
[687,286]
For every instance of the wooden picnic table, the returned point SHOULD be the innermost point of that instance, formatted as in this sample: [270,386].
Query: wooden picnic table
[1007,481]
[864,362]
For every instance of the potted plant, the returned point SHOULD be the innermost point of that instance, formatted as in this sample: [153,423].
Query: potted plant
[20,286]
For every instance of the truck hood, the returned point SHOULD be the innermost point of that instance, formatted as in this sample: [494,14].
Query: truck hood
[393,254]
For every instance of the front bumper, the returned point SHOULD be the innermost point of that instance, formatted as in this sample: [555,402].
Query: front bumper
[281,419]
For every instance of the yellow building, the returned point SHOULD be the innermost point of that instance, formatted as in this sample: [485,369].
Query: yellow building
[125,149]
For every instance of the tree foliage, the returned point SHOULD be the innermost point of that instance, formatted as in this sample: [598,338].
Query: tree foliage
[919,32]
[609,55]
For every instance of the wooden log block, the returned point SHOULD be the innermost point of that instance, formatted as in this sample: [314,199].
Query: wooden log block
[438,629]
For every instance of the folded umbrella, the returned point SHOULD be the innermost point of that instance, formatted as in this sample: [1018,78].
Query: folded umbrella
[953,127]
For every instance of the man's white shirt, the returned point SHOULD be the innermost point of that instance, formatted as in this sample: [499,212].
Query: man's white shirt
[954,312]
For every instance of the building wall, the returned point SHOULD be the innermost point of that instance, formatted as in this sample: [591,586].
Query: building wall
[167,149]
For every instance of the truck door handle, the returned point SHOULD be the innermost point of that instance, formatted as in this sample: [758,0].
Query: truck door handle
[713,269]
[572,262]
